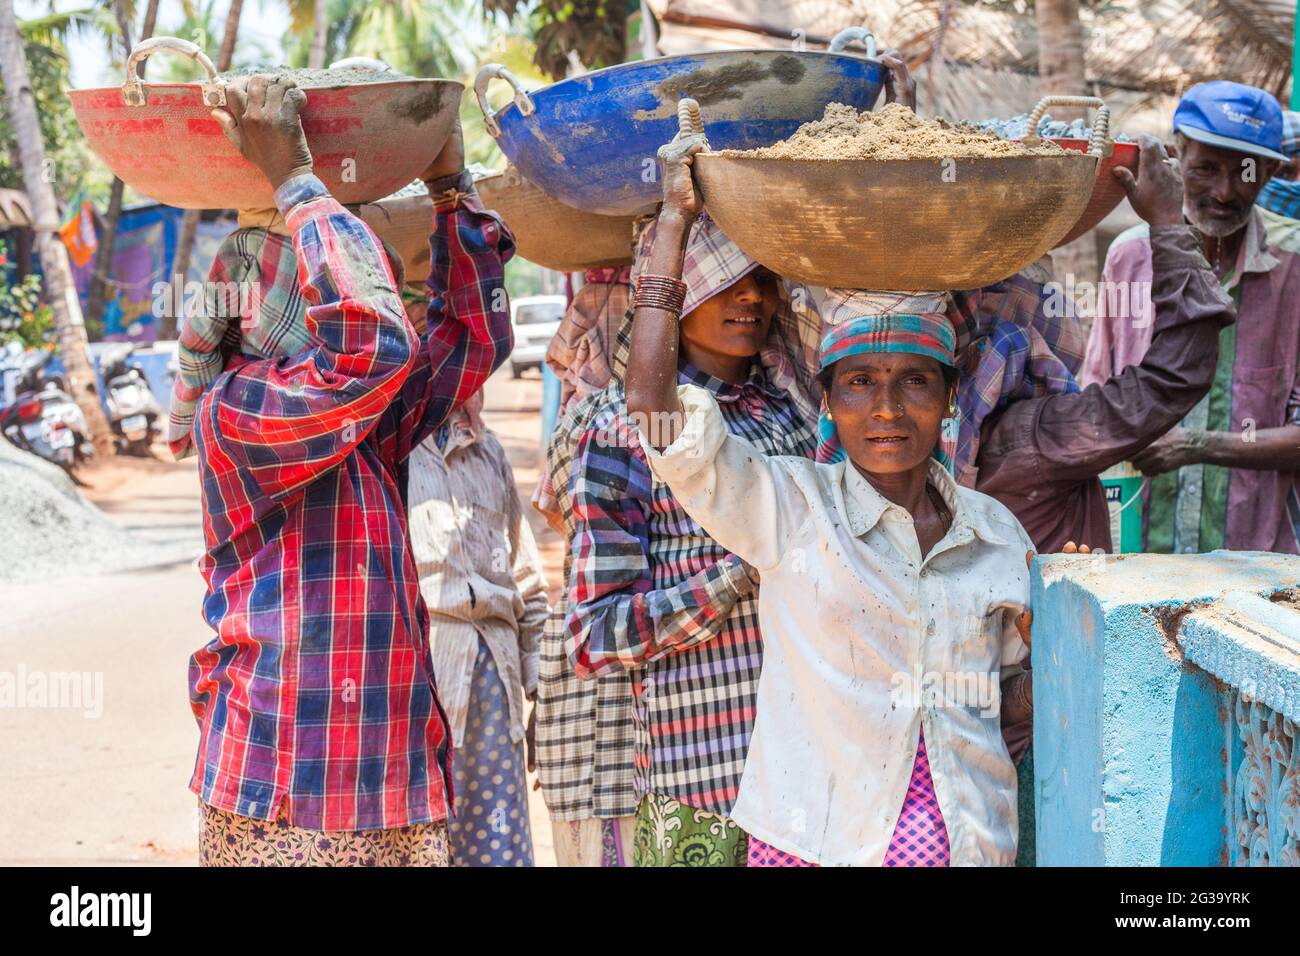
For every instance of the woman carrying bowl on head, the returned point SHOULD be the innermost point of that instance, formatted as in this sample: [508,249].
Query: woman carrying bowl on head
[892,601]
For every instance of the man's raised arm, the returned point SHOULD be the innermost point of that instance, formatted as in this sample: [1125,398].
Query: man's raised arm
[467,334]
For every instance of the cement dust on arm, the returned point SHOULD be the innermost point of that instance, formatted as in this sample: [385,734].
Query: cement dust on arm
[651,385]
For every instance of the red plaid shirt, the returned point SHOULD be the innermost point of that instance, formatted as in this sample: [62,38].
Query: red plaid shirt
[318,686]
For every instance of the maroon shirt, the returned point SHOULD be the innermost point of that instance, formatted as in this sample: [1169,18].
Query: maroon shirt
[1041,456]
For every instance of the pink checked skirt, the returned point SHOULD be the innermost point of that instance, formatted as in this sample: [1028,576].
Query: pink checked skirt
[920,838]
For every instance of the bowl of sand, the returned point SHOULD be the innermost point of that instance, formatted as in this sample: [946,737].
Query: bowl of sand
[889,200]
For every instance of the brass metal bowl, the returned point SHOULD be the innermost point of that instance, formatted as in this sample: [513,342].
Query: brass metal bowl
[404,220]
[553,234]
[915,224]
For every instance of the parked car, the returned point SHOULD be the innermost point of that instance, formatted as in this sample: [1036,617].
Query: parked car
[536,319]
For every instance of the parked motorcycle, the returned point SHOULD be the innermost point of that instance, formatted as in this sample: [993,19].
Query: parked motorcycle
[48,423]
[133,412]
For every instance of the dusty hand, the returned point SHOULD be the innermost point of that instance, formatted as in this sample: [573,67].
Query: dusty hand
[900,87]
[675,161]
[450,159]
[1173,449]
[1072,548]
[261,119]
[1156,194]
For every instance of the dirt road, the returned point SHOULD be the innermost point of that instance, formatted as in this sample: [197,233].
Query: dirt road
[104,779]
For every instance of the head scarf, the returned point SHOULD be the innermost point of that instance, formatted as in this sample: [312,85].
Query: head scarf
[1011,345]
[579,352]
[1282,196]
[863,322]
[251,304]
[713,263]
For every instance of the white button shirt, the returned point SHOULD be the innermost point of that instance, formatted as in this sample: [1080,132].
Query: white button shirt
[865,643]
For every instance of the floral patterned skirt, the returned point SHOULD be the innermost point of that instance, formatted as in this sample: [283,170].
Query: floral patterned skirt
[230,840]
[669,833]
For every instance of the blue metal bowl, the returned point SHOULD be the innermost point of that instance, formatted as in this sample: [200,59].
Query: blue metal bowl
[591,141]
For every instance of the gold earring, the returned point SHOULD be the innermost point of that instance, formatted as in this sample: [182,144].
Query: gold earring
[829,416]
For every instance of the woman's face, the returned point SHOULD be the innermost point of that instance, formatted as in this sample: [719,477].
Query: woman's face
[888,409]
[734,323]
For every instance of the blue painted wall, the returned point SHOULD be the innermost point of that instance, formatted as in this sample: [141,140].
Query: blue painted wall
[1134,746]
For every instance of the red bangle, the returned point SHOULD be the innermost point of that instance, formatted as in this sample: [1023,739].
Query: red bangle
[659,292]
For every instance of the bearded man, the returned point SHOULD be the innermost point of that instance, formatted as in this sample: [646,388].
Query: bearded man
[1226,476]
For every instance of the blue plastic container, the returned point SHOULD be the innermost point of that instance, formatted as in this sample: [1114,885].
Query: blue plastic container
[591,141]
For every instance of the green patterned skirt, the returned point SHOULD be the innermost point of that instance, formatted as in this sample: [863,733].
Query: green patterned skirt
[669,833]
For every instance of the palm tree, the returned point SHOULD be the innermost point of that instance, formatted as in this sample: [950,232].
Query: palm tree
[54,257]
[108,236]
[319,33]
[418,37]
[1062,69]
[190,221]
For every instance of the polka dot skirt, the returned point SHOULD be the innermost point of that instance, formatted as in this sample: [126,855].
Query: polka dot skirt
[491,823]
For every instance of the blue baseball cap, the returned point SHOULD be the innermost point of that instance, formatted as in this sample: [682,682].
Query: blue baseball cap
[1232,115]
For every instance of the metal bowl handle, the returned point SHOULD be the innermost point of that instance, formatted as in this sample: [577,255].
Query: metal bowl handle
[133,90]
[688,117]
[522,100]
[1100,145]
[848,35]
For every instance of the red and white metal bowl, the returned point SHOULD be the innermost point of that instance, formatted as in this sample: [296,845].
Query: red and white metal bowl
[1106,190]
[367,140]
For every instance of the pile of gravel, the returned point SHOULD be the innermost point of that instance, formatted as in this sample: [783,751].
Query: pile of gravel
[48,529]
[1017,126]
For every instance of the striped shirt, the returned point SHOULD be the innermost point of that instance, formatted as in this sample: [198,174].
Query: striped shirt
[653,595]
[317,688]
[480,573]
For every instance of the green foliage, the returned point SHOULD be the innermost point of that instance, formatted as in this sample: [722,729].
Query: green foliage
[22,317]
[524,278]
[203,24]
[417,37]
[594,30]
[65,147]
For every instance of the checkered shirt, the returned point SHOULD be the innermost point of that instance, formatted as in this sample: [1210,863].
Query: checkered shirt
[318,687]
[651,594]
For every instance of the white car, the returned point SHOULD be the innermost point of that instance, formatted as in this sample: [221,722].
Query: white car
[536,319]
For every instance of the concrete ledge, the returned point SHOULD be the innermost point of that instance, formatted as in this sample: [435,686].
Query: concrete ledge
[1135,741]
[1251,643]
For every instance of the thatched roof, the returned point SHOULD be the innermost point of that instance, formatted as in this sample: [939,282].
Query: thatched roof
[15,209]
[1146,48]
